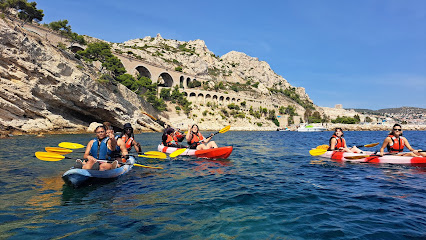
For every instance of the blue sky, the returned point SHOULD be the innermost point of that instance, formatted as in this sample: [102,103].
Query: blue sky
[362,54]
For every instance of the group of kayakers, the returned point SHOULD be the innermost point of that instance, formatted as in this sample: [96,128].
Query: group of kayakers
[394,143]
[172,137]
[107,151]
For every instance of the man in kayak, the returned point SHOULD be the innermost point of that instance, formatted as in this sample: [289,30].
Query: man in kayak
[395,143]
[338,143]
[197,141]
[100,148]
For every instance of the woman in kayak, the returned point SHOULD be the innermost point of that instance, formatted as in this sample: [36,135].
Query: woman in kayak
[100,148]
[338,143]
[128,138]
[395,143]
[197,141]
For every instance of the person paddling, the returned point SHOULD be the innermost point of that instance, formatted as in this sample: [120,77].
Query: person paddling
[395,143]
[170,139]
[338,143]
[196,139]
[100,148]
[128,139]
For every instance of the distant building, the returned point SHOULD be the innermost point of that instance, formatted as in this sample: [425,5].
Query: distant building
[338,106]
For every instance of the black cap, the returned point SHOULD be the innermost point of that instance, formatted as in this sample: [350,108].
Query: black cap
[127,125]
[169,130]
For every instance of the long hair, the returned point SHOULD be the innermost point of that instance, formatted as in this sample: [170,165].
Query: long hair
[198,129]
[340,130]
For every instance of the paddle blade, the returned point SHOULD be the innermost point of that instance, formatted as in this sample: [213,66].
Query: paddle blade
[58,150]
[155,153]
[47,156]
[153,156]
[225,129]
[325,146]
[178,152]
[317,152]
[371,145]
[70,145]
[144,166]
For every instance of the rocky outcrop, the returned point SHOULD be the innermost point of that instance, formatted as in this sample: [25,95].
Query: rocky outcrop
[45,89]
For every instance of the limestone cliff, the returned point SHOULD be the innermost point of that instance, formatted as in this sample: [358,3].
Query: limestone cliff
[46,89]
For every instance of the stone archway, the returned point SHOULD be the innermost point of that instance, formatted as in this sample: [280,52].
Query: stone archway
[192,97]
[208,98]
[181,82]
[214,98]
[143,71]
[188,82]
[221,98]
[165,80]
[200,98]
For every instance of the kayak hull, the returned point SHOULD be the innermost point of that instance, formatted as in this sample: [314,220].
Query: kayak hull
[213,153]
[78,177]
[387,159]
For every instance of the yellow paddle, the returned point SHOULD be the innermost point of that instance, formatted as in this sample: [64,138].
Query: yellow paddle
[317,152]
[152,156]
[368,145]
[178,152]
[223,130]
[53,157]
[70,145]
[58,150]
[325,146]
[155,153]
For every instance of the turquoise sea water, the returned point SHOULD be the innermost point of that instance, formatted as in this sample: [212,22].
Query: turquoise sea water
[269,188]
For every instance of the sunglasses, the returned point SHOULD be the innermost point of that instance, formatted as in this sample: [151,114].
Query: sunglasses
[396,130]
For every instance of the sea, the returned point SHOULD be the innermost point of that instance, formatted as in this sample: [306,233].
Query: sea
[269,188]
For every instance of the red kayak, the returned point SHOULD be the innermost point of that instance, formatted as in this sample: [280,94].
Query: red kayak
[222,152]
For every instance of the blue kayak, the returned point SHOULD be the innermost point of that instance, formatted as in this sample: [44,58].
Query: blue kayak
[77,177]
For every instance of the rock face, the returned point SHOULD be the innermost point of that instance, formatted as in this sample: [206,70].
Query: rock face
[45,89]
[196,59]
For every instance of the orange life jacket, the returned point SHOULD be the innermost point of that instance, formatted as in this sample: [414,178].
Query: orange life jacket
[397,144]
[195,139]
[340,142]
[128,142]
[171,140]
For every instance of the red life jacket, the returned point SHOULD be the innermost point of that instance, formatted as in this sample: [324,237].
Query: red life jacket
[196,138]
[397,144]
[128,142]
[340,142]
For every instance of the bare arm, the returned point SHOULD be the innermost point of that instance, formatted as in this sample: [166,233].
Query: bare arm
[87,152]
[385,143]
[332,143]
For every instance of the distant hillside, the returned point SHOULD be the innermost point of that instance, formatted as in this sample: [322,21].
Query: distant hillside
[401,110]
[411,115]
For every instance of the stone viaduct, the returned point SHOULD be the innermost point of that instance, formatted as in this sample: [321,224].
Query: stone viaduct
[166,78]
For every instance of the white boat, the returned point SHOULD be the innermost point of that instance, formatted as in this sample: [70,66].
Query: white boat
[311,128]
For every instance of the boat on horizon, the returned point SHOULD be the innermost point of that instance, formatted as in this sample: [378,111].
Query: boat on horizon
[311,128]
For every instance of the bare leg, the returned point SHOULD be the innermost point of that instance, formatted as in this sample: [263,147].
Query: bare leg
[211,144]
[89,164]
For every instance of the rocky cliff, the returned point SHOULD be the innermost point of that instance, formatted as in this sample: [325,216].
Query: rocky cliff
[46,89]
